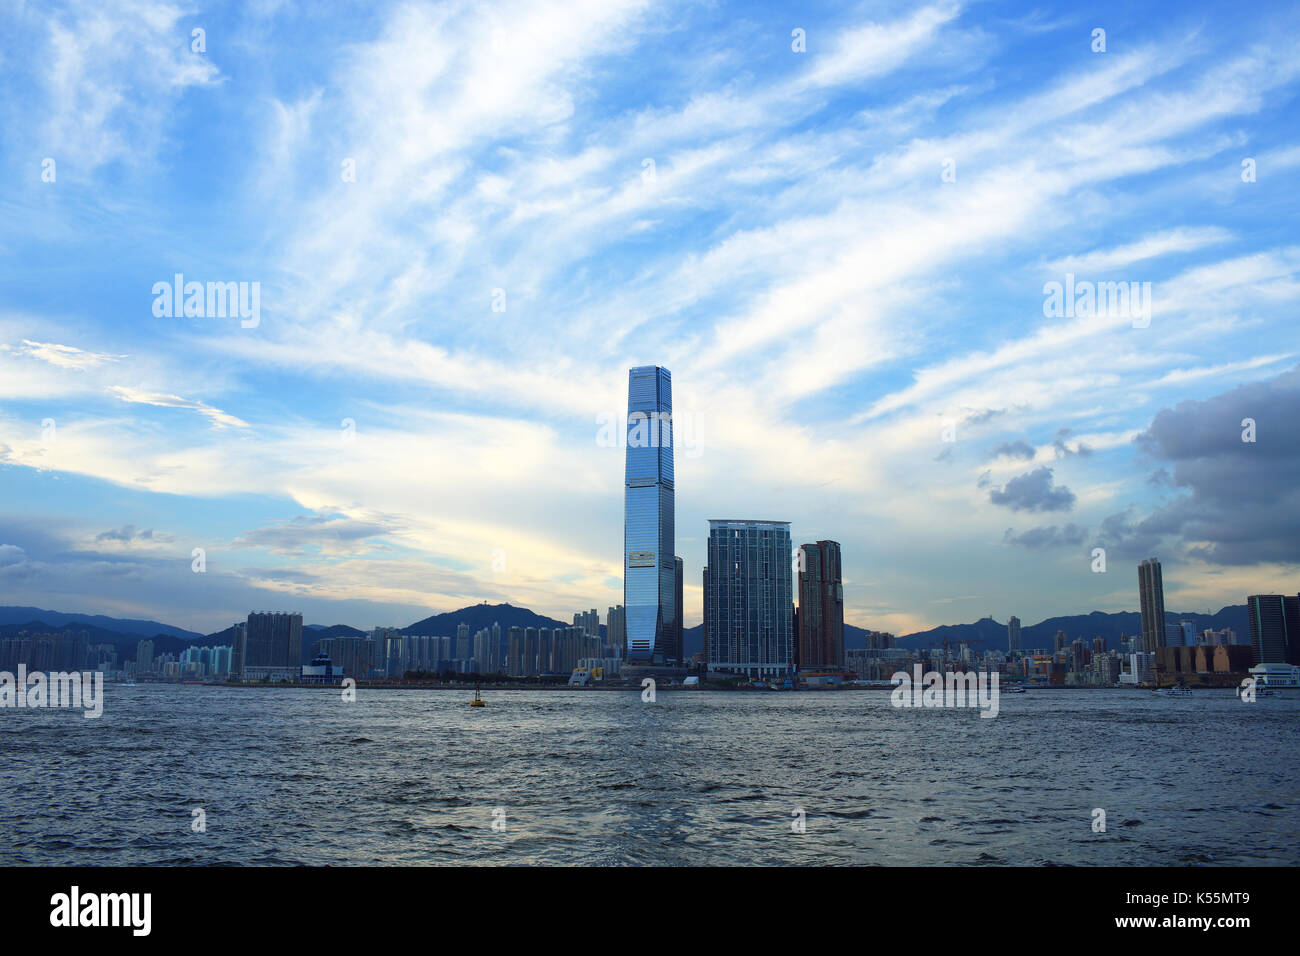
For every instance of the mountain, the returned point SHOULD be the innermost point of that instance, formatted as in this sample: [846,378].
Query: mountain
[56,619]
[125,644]
[479,616]
[987,634]
[1086,626]
[318,631]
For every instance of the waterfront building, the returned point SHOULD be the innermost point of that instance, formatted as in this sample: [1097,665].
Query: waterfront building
[1274,628]
[1151,597]
[748,598]
[821,608]
[648,515]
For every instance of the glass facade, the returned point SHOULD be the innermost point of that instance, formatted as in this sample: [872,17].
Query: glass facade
[748,598]
[648,520]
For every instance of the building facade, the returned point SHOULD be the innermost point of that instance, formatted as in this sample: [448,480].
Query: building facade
[273,639]
[821,608]
[649,539]
[1151,597]
[748,598]
[1274,627]
[616,630]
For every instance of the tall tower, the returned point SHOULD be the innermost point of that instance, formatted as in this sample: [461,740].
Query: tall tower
[676,652]
[616,631]
[821,608]
[1274,628]
[648,521]
[748,598]
[1151,595]
[1013,635]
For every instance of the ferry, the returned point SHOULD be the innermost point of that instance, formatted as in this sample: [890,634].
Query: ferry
[1016,688]
[1178,691]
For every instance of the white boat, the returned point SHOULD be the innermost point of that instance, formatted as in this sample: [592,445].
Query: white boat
[1012,689]
[1178,691]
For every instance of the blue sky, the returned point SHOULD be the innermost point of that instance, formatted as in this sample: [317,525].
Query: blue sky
[840,253]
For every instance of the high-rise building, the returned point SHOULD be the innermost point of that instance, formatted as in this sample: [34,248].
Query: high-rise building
[530,652]
[273,639]
[616,630]
[1013,635]
[1274,628]
[821,608]
[1151,596]
[673,650]
[648,518]
[144,657]
[515,652]
[748,598]
[484,657]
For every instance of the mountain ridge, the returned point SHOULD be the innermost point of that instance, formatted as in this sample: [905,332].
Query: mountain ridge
[986,633]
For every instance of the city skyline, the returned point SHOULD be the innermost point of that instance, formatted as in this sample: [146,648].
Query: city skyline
[848,254]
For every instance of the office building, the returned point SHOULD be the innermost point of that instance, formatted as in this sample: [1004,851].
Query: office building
[1274,628]
[1013,635]
[648,517]
[748,598]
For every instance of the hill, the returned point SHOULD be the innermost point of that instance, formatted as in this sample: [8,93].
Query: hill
[56,619]
[479,616]
[1086,626]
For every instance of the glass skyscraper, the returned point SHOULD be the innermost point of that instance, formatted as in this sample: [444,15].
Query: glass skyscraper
[648,521]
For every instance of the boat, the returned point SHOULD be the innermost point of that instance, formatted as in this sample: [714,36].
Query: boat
[478,700]
[1012,689]
[1178,691]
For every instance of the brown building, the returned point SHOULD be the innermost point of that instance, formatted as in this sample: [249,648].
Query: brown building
[1188,661]
[821,608]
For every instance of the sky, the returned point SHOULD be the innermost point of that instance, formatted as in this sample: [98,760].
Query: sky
[457,226]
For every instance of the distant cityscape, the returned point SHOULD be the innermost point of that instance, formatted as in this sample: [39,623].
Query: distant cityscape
[754,633]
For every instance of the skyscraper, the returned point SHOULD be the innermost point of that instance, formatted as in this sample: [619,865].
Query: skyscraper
[515,652]
[1274,628]
[821,608]
[1013,635]
[1151,595]
[144,657]
[273,639]
[616,630]
[748,598]
[673,650]
[648,521]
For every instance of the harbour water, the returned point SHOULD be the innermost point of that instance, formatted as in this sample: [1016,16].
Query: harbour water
[297,776]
